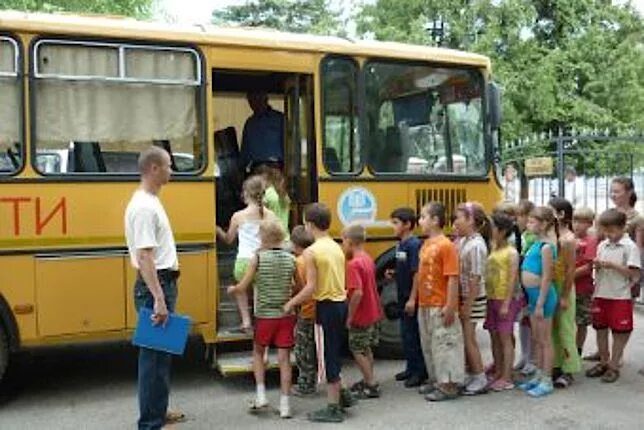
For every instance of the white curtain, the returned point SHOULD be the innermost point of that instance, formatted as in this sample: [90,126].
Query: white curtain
[111,111]
[9,100]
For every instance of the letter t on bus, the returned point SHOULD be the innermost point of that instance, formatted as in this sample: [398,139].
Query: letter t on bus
[16,210]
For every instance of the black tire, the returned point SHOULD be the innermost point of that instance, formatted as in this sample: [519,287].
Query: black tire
[4,352]
[390,340]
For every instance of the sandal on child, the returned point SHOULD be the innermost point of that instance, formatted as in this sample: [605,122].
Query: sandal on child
[611,375]
[174,417]
[563,381]
[596,371]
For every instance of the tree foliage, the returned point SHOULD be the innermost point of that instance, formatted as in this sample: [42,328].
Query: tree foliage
[299,16]
[578,63]
[135,8]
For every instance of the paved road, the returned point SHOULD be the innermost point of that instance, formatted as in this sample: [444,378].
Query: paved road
[93,388]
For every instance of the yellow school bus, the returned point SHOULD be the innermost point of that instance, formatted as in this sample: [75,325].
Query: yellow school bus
[369,127]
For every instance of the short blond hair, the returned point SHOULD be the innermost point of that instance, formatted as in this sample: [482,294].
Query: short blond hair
[356,233]
[584,214]
[271,232]
[507,208]
[149,156]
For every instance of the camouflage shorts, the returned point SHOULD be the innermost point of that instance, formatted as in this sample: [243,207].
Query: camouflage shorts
[362,339]
[582,316]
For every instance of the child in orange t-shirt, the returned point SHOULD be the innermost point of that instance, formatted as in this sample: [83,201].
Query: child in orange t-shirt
[305,351]
[436,289]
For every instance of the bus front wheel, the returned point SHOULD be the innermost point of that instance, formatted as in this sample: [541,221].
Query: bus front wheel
[390,340]
[4,351]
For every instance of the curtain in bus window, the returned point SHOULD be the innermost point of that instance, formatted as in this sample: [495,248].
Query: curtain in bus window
[110,112]
[156,64]
[9,100]
[77,60]
[102,111]
[9,110]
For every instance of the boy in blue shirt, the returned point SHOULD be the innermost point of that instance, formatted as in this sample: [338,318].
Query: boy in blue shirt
[404,221]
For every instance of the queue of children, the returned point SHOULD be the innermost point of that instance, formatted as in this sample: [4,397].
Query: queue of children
[550,270]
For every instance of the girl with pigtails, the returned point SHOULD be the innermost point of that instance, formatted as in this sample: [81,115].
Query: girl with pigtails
[244,226]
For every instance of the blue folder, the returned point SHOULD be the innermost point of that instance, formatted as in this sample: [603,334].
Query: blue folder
[170,337]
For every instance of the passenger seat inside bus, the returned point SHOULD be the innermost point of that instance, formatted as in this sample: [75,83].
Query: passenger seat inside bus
[87,157]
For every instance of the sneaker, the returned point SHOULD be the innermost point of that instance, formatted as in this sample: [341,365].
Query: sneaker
[330,414]
[413,381]
[542,389]
[256,407]
[501,385]
[285,412]
[298,391]
[528,384]
[347,399]
[476,386]
[426,389]
[440,395]
[402,376]
[520,365]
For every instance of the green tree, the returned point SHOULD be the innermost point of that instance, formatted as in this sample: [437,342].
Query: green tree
[135,8]
[299,16]
[576,63]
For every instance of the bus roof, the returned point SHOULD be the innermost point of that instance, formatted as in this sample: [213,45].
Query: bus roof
[122,27]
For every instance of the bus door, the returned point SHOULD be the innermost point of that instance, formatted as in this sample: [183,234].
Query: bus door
[300,169]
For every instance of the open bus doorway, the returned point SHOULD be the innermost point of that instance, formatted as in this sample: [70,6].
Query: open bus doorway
[291,95]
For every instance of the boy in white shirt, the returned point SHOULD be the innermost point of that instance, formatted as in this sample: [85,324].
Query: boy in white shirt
[617,268]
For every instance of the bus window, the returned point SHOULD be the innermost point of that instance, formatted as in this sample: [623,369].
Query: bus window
[105,102]
[424,120]
[10,108]
[341,149]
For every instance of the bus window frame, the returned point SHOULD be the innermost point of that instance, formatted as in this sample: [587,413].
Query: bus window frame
[18,75]
[360,104]
[144,44]
[441,177]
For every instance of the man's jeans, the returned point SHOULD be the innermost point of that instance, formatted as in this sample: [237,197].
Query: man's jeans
[154,366]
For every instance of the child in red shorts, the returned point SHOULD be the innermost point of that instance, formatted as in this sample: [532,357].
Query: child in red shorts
[273,271]
[617,268]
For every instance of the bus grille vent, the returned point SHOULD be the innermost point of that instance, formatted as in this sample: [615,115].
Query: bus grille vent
[450,197]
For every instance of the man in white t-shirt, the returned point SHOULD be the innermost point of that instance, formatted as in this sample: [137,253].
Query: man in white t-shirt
[153,253]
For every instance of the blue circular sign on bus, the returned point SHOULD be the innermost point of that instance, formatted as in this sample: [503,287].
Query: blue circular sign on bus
[357,204]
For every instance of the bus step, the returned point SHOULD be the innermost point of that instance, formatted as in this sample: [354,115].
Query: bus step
[232,334]
[237,363]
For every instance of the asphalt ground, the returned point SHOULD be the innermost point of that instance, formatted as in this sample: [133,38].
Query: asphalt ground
[93,387]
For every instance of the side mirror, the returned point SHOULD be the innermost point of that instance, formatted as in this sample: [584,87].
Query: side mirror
[494,105]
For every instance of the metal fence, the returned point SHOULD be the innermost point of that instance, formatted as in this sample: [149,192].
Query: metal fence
[583,166]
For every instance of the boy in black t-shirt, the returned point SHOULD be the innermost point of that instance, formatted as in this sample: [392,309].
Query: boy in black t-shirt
[404,221]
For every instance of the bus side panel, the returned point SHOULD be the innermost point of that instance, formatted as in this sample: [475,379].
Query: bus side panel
[80,294]
[193,294]
[17,288]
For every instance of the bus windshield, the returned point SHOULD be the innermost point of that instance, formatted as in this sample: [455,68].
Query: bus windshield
[424,119]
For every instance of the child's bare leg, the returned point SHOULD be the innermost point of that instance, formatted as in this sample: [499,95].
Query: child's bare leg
[472,352]
[284,361]
[582,331]
[507,348]
[602,346]
[366,367]
[619,343]
[548,351]
[497,354]
[259,372]
[536,342]
[242,305]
